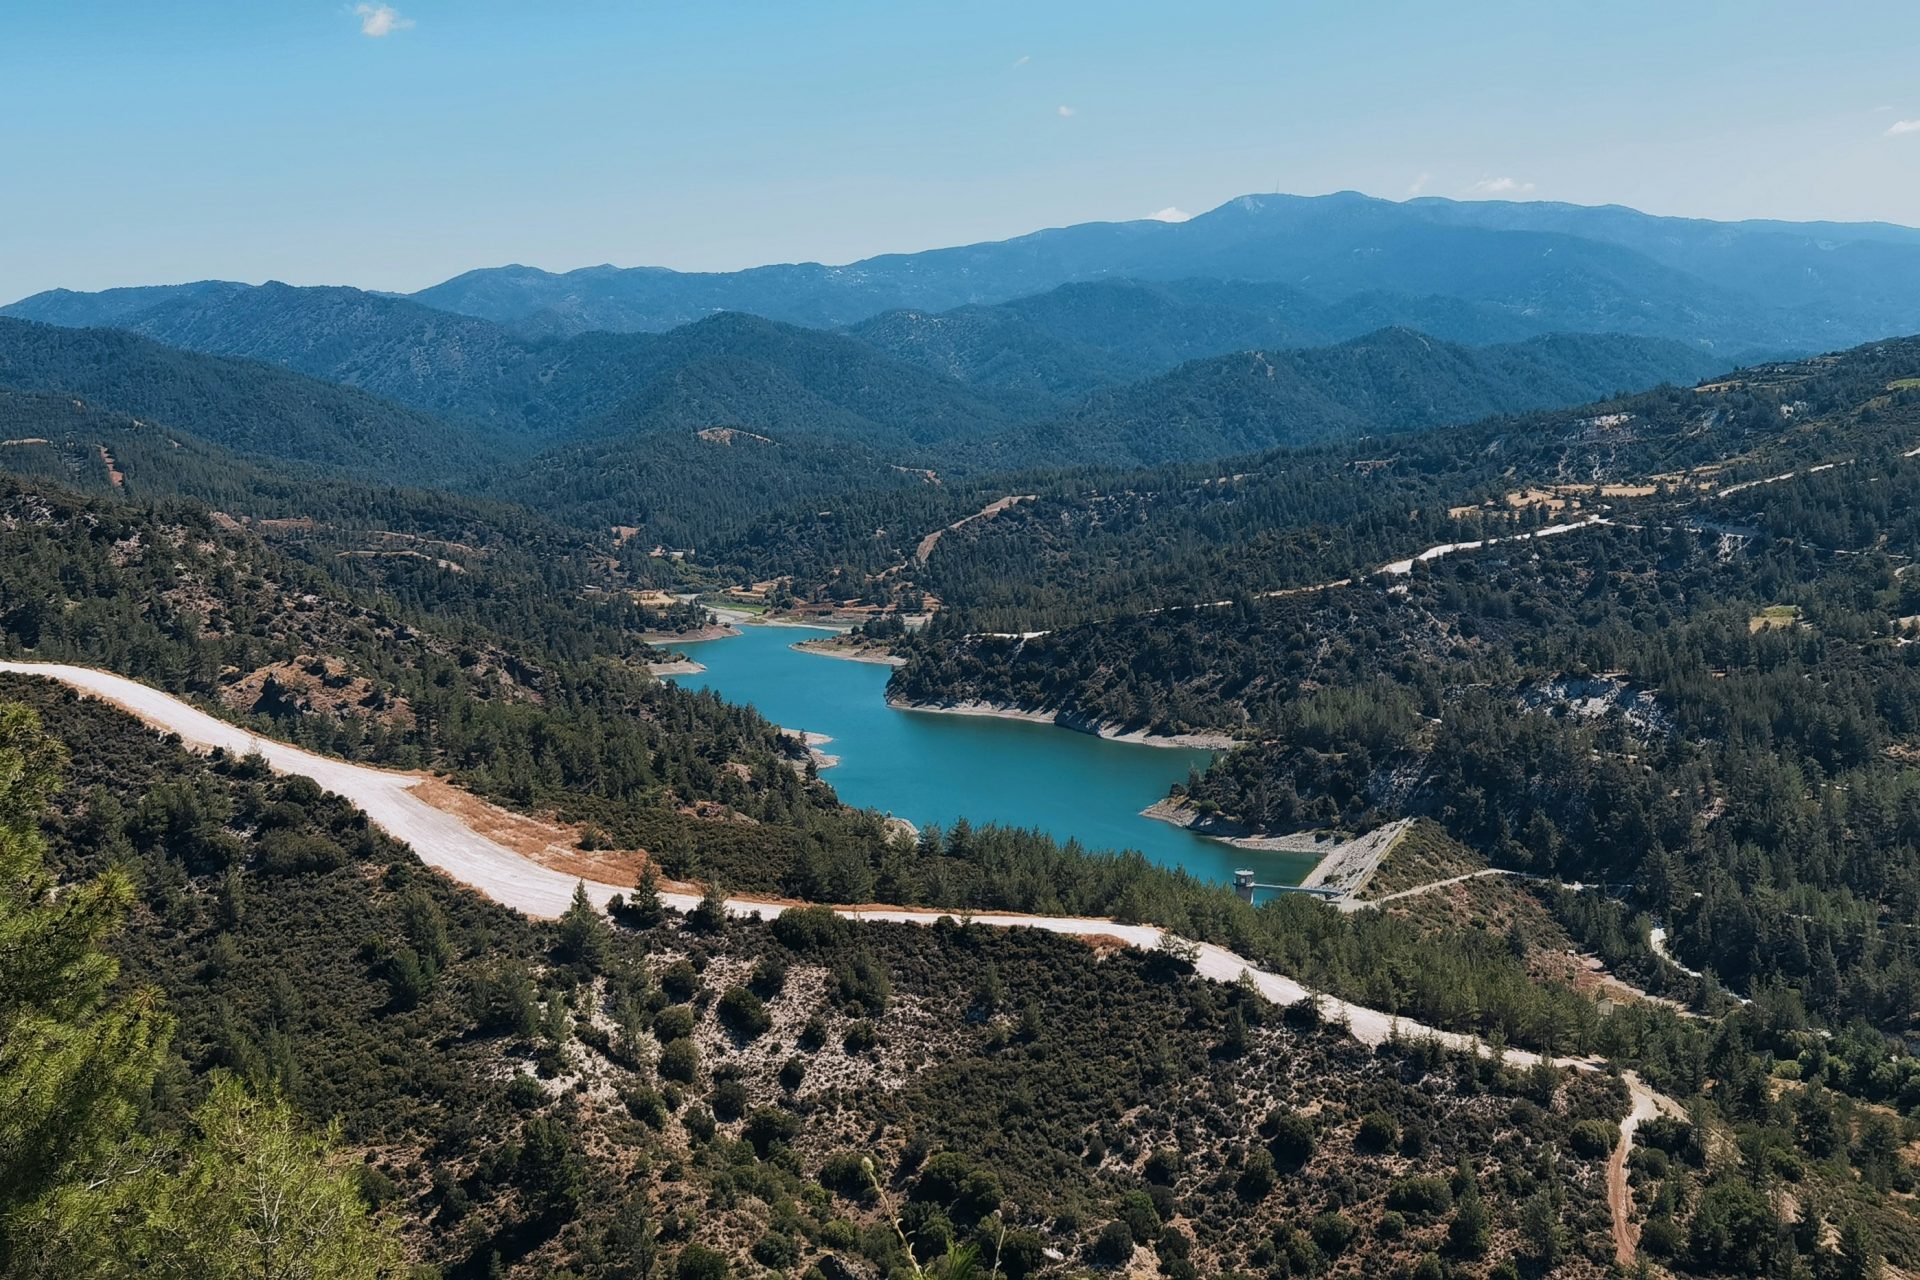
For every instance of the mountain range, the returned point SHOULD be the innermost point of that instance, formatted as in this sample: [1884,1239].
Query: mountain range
[1519,268]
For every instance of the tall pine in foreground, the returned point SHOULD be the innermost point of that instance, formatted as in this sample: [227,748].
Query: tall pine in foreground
[248,1191]
[75,1062]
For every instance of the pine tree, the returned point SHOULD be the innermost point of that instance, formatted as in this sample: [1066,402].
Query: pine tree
[75,1061]
[644,908]
[584,936]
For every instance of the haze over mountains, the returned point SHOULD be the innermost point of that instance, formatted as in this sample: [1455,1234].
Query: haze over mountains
[1271,321]
[1530,267]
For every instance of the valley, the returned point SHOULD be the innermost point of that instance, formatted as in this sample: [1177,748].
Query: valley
[680,776]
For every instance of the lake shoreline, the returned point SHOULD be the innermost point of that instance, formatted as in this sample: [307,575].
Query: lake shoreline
[1061,720]
[938,769]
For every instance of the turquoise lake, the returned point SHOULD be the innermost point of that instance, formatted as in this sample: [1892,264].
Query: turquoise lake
[931,768]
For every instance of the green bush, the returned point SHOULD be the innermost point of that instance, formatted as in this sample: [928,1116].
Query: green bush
[697,1262]
[1377,1131]
[1593,1138]
[1114,1244]
[1332,1232]
[675,1022]
[680,1061]
[744,1014]
[1420,1196]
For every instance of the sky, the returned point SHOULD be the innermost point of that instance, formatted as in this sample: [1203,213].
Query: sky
[391,145]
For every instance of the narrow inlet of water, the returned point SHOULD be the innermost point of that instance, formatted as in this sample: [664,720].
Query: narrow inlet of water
[932,768]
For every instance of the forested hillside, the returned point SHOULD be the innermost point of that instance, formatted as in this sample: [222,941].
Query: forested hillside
[1679,696]
[1079,337]
[656,1098]
[244,406]
[1392,381]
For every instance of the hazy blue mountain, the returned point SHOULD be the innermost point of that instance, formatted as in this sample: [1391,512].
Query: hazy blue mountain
[1508,268]
[1553,267]
[1393,380]
[111,308]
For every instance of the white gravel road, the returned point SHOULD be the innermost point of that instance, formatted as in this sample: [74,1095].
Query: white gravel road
[446,843]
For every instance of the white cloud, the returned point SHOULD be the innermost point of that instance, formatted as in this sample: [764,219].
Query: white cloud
[1170,214]
[379,20]
[1500,187]
[1065,112]
[1419,184]
[1023,60]
[1899,127]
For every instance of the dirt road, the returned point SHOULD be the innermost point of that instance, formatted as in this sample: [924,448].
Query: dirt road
[447,842]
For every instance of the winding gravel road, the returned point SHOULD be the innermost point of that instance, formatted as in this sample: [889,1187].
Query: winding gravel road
[443,841]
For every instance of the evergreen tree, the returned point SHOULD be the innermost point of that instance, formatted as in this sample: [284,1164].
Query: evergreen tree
[75,1060]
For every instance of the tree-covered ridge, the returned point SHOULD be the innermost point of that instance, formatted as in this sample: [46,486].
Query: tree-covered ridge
[1395,380]
[1078,337]
[1724,715]
[469,560]
[247,407]
[1096,543]
[169,596]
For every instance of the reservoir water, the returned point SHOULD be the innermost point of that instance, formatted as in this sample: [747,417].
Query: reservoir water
[932,768]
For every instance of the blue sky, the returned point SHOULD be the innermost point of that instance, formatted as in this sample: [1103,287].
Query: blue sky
[391,146]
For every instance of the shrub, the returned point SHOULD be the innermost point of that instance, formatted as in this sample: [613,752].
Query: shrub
[680,1061]
[845,1174]
[860,982]
[1114,1245]
[1137,1211]
[744,1014]
[699,1124]
[768,1127]
[1423,1196]
[792,1073]
[680,981]
[951,1180]
[1377,1131]
[1163,1166]
[1257,1180]
[675,1022]
[1022,1253]
[697,1262]
[1661,1237]
[729,1098]
[646,1106]
[1593,1138]
[775,1250]
[769,978]
[1332,1232]
[524,1092]
[811,929]
[1291,1139]
[709,915]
